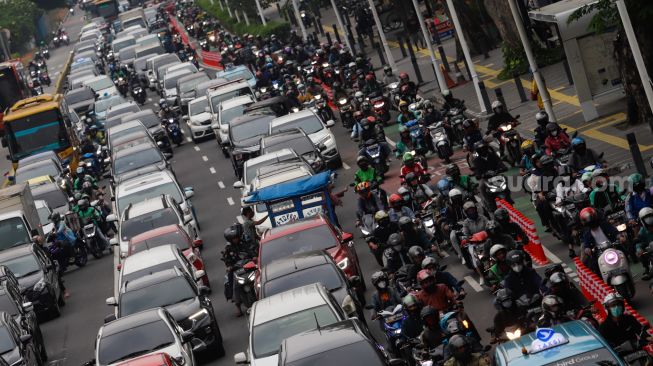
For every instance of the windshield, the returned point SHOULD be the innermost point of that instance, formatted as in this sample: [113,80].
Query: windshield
[147,222]
[115,135]
[133,342]
[127,53]
[217,99]
[316,238]
[23,175]
[254,128]
[227,115]
[365,354]
[137,160]
[191,84]
[178,238]
[81,96]
[102,104]
[160,294]
[171,82]
[6,341]
[243,74]
[128,276]
[23,266]
[149,120]
[326,274]
[120,44]
[100,84]
[44,215]
[267,337]
[36,133]
[156,191]
[13,233]
[302,145]
[55,198]
[8,304]
[128,108]
[198,107]
[309,124]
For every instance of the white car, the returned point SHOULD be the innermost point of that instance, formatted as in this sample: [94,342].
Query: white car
[44,213]
[199,120]
[149,214]
[251,166]
[280,316]
[169,92]
[102,85]
[319,132]
[228,110]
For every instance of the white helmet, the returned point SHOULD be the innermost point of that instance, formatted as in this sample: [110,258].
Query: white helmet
[495,248]
[646,216]
[496,104]
[358,95]
[455,192]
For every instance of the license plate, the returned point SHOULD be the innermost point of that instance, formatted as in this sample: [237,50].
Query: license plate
[286,218]
[635,356]
[312,211]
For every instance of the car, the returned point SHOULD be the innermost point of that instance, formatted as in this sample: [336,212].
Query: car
[314,233]
[251,166]
[16,344]
[225,91]
[201,88]
[153,63]
[198,119]
[229,109]
[571,343]
[186,88]
[174,290]
[101,85]
[311,267]
[132,139]
[82,63]
[154,260]
[103,103]
[122,42]
[37,276]
[297,140]
[52,194]
[245,133]
[344,343]
[169,90]
[14,304]
[115,132]
[152,359]
[280,316]
[148,332]
[160,72]
[232,72]
[127,55]
[152,121]
[44,211]
[319,133]
[171,234]
[136,157]
[149,214]
[26,172]
[127,107]
[42,156]
[153,184]
[81,100]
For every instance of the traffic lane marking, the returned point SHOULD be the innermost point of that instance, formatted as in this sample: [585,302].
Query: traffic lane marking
[475,285]
[212,170]
[205,158]
[197,148]
[221,185]
[230,201]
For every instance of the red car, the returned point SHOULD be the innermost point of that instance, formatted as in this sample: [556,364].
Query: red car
[155,359]
[171,234]
[315,233]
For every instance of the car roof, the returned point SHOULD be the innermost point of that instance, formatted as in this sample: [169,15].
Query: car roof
[174,74]
[125,126]
[197,100]
[145,207]
[228,88]
[193,76]
[323,339]
[132,321]
[294,263]
[288,302]
[285,153]
[45,187]
[145,181]
[237,101]
[136,115]
[168,229]
[40,156]
[37,164]
[279,173]
[150,279]
[148,258]
[295,226]
[285,135]
[249,118]
[292,117]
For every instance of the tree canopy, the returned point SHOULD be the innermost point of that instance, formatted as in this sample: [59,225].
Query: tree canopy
[18,17]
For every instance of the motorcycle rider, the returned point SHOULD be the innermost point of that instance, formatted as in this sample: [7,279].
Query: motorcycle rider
[65,236]
[644,238]
[619,327]
[235,250]
[432,335]
[433,294]
[395,256]
[405,115]
[502,218]
[461,349]
[471,134]
[405,143]
[553,312]
[417,236]
[388,76]
[582,156]
[500,116]
[80,178]
[463,182]
[540,183]
[508,314]
[366,173]
[596,231]
[384,296]
[487,161]
[372,86]
[411,166]
[639,198]
[556,139]
[450,101]
[526,162]
[413,324]
[568,185]
[604,195]
[542,120]
[411,90]
[522,280]
[86,212]
[472,224]
[384,228]
[500,269]
[560,286]
[303,95]
[368,203]
[446,278]
[419,192]
[399,209]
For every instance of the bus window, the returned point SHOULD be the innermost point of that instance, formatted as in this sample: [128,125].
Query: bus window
[36,133]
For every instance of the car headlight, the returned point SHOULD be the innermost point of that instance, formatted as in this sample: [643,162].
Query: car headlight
[200,315]
[39,286]
[326,140]
[343,263]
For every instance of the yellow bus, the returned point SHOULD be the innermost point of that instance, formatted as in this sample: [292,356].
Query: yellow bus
[40,124]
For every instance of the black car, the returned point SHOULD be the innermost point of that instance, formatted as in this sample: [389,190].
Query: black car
[178,293]
[13,303]
[275,106]
[16,345]
[37,277]
[152,121]
[311,267]
[344,343]
[297,140]
[136,157]
[245,132]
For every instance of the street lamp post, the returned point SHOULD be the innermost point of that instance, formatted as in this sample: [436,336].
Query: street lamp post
[386,47]
[438,73]
[546,99]
[341,25]
[468,56]
[260,12]
[299,20]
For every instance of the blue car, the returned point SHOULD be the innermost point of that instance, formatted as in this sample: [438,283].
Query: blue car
[231,72]
[574,343]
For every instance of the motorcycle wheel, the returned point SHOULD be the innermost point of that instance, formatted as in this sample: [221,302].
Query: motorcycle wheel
[81,256]
[95,249]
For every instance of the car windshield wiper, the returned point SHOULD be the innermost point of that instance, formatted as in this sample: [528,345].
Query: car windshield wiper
[29,273]
[177,302]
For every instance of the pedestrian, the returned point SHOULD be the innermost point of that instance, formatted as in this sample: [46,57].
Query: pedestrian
[249,225]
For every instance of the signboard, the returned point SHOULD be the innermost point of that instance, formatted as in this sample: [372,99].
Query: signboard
[547,338]
[445,29]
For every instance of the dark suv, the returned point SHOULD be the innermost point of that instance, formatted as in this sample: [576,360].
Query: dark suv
[178,293]
[16,345]
[297,140]
[245,132]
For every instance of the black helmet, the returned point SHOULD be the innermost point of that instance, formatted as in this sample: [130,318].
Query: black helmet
[55,217]
[501,215]
[546,160]
[452,169]
[83,203]
[230,233]
[468,123]
[491,227]
[459,347]
[387,69]
[542,118]
[405,221]
[377,277]
[395,240]
[361,159]
[552,305]
[416,253]
[370,142]
[479,145]
[551,127]
[411,177]
[503,299]
[366,106]
[515,257]
[428,311]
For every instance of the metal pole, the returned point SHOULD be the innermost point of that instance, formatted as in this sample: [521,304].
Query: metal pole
[237,16]
[226,3]
[246,18]
[637,154]
[299,20]
[468,56]
[438,73]
[637,53]
[260,12]
[546,99]
[341,25]
[221,6]
[379,28]
[413,60]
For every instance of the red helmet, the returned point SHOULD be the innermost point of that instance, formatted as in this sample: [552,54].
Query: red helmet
[423,275]
[395,199]
[587,215]
[369,77]
[403,75]
[371,119]
[479,237]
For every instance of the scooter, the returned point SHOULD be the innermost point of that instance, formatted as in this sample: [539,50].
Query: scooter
[374,153]
[455,118]
[615,269]
[367,225]
[138,93]
[392,320]
[174,131]
[44,78]
[441,141]
[244,278]
[95,246]
[346,113]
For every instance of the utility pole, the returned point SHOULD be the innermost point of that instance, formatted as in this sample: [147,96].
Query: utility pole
[546,99]
[438,73]
[468,56]
[342,25]
[637,53]
[379,28]
[226,2]
[299,20]
[260,12]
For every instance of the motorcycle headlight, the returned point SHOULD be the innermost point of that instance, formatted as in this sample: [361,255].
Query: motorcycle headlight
[343,263]
[200,315]
[39,286]
[212,38]
[264,89]
[397,331]
[379,105]
[342,101]
[240,280]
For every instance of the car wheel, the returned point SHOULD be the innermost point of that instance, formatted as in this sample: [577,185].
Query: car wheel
[360,275]
[337,163]
[218,346]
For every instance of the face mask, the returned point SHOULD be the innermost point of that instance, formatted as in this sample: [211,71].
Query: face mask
[473,215]
[382,284]
[554,133]
[397,248]
[617,311]
[507,304]
[517,267]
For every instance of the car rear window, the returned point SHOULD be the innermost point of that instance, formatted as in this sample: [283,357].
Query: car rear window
[178,238]
[325,274]
[147,222]
[315,238]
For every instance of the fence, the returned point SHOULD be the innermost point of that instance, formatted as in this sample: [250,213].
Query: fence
[209,59]
[534,246]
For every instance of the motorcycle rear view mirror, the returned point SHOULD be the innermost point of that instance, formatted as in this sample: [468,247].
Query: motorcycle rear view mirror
[330,123]
[113,242]
[207,109]
[199,274]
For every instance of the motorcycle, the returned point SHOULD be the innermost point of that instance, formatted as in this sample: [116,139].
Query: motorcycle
[367,225]
[244,278]
[56,41]
[92,164]
[635,353]
[204,44]
[346,113]
[138,93]
[64,38]
[455,117]
[44,78]
[78,255]
[174,131]
[441,141]
[90,237]
[374,153]
[393,319]
[380,109]
[511,142]
[417,136]
[45,53]
[393,95]
[614,268]
[497,187]
[122,86]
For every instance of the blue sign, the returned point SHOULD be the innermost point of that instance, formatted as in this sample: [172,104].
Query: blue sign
[547,338]
[544,334]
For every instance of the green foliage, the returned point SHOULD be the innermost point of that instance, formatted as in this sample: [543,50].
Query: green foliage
[281,29]
[516,63]
[19,17]
[606,15]
[50,4]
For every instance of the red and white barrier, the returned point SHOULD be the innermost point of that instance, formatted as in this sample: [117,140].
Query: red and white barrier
[534,246]
[209,59]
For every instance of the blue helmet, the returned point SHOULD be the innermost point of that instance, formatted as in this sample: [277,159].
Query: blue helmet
[577,141]
[444,185]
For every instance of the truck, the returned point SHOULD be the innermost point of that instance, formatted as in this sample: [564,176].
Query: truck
[18,216]
[130,15]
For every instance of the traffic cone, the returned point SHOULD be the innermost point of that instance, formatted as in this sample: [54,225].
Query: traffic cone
[447,78]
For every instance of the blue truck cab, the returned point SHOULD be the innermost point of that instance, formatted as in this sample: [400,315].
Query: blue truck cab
[575,343]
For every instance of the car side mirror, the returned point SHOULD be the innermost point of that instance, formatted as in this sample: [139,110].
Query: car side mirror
[204,290]
[189,193]
[185,118]
[240,358]
[354,281]
[27,307]
[111,218]
[347,236]
[207,109]
[111,301]
[199,274]
[25,338]
[197,243]
[330,123]
[239,184]
[187,336]
[321,147]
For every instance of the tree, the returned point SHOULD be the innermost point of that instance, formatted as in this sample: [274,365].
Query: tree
[606,17]
[50,4]
[19,17]
[499,11]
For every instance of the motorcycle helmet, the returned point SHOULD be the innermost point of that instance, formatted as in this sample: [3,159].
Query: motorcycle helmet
[446,94]
[614,304]
[444,186]
[430,316]
[552,129]
[515,259]
[403,104]
[404,193]
[542,118]
[366,106]
[83,204]
[369,78]
[527,144]
[558,280]
[636,181]
[55,217]
[497,105]
[387,70]
[553,305]
[364,189]
[408,159]
[501,215]
[455,195]
[496,248]
[452,170]
[410,303]
[577,142]
[395,200]
[460,348]
[395,241]
[588,216]
[370,142]
[380,215]
[77,196]
[405,222]
[379,279]
[646,216]
[362,162]
[430,264]
[365,124]
[80,170]
[403,76]
[416,254]
[492,228]
[503,299]
[424,278]
[231,233]
[468,206]
[412,179]
[403,130]
[468,124]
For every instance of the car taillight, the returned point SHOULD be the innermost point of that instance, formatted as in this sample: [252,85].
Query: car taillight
[197,243]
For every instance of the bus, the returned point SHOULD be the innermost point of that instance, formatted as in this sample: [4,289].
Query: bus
[13,85]
[107,9]
[39,124]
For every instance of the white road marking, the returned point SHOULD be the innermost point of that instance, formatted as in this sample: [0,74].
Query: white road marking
[344,165]
[392,143]
[149,99]
[444,254]
[554,258]
[189,139]
[576,279]
[230,201]
[197,148]
[205,158]
[212,170]
[221,185]
[475,285]
[568,270]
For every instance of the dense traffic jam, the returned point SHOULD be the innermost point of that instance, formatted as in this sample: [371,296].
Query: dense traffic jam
[92,177]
